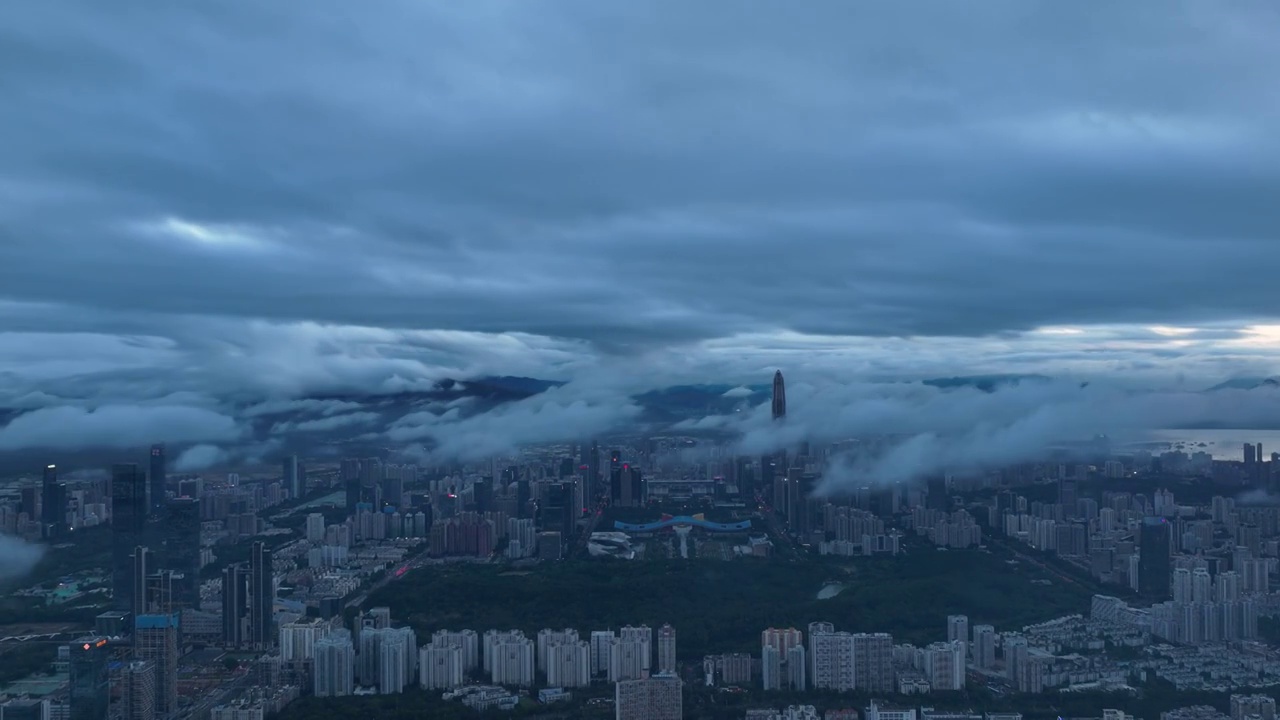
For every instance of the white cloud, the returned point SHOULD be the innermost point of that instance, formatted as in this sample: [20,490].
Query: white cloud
[17,557]
[200,457]
[115,426]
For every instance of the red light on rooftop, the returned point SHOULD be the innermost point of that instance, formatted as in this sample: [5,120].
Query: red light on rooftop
[626,466]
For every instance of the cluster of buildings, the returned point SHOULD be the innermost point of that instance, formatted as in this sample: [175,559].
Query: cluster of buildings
[375,656]
[1206,569]
[840,661]
[1242,707]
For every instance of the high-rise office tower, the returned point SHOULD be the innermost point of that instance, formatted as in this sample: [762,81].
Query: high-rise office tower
[593,471]
[290,478]
[141,566]
[524,494]
[1155,568]
[90,682]
[1067,496]
[628,487]
[262,596]
[779,396]
[556,509]
[53,503]
[180,549]
[157,477]
[482,492]
[666,649]
[371,474]
[235,604]
[155,638]
[128,523]
[614,490]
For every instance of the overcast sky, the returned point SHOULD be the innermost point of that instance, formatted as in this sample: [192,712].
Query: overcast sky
[200,200]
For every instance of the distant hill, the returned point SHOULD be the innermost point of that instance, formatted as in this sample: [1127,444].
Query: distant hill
[985,383]
[1246,384]
[684,401]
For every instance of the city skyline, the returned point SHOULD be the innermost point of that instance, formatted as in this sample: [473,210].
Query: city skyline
[714,360]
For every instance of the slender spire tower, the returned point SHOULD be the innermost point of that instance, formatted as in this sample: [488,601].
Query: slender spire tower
[779,396]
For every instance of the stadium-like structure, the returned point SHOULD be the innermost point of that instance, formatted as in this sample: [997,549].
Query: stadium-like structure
[672,521]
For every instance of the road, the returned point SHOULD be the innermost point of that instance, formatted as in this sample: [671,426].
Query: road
[585,537]
[227,692]
[393,574]
[1012,547]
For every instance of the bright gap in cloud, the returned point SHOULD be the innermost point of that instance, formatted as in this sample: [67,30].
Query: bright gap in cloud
[1170,331]
[1257,336]
[209,235]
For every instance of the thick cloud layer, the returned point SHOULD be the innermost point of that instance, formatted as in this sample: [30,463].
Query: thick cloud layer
[911,430]
[210,215]
[115,426]
[844,169]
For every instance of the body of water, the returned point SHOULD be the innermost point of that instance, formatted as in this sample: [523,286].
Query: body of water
[830,590]
[1221,444]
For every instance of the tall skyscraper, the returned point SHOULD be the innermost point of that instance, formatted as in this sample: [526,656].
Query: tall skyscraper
[53,503]
[157,479]
[155,638]
[593,471]
[235,604]
[1155,568]
[779,396]
[666,649]
[141,565]
[128,523]
[262,596]
[90,681]
[290,478]
[628,487]
[180,549]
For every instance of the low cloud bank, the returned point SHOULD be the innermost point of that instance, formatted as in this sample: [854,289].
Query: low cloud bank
[922,430]
[116,426]
[17,557]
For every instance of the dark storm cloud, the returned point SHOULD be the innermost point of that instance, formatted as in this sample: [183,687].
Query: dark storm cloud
[628,173]
[211,214]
